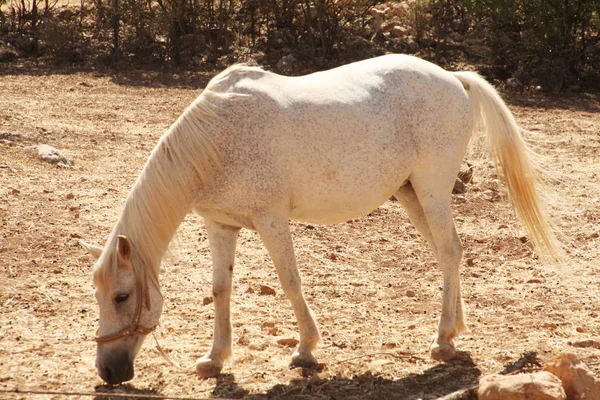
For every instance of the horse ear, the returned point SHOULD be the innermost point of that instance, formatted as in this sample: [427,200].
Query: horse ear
[94,250]
[124,248]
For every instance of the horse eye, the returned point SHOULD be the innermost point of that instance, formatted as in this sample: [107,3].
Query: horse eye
[121,298]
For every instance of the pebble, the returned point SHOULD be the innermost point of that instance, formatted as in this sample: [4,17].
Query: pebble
[267,291]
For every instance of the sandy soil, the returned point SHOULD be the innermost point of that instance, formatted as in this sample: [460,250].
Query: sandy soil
[372,282]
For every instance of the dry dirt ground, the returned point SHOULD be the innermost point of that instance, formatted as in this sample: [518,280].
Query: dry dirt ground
[372,282]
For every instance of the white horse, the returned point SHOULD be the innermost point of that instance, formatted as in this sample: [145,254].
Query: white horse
[257,149]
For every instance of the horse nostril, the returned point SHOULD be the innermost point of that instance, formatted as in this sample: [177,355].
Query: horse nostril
[116,373]
[106,374]
[129,372]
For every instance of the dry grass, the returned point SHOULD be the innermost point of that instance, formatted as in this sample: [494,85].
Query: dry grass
[357,276]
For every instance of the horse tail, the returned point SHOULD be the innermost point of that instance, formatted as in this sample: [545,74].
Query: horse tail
[513,158]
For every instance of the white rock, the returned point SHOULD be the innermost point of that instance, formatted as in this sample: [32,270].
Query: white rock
[51,155]
[535,386]
[578,381]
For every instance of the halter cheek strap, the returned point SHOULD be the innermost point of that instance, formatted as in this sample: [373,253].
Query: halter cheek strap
[135,326]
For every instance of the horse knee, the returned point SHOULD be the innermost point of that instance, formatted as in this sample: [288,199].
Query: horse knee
[452,251]
[221,290]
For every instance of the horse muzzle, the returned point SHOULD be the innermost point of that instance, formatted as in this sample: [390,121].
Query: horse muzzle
[115,369]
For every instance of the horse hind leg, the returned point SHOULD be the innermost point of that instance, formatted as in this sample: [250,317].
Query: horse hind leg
[222,241]
[407,197]
[432,216]
[275,233]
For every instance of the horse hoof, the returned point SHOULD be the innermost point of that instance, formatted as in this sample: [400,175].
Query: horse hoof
[442,351]
[206,368]
[303,361]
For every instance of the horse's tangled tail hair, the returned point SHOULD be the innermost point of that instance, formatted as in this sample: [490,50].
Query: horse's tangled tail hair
[513,158]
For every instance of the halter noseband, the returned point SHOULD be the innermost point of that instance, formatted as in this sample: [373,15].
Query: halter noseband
[134,327]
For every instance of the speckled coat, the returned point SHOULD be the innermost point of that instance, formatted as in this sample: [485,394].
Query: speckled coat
[257,149]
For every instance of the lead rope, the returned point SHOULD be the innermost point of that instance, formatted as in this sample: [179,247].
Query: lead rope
[164,355]
[168,358]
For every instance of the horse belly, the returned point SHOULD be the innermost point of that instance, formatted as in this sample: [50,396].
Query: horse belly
[337,194]
[334,211]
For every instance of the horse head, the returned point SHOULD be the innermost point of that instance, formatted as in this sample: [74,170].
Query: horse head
[129,307]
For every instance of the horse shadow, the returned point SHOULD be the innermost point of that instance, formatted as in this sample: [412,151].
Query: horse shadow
[124,392]
[433,383]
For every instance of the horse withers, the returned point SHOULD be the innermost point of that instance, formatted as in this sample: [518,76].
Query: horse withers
[257,149]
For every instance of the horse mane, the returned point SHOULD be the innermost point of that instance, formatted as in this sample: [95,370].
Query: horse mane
[162,194]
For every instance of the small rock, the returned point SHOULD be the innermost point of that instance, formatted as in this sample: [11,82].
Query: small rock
[75,235]
[287,64]
[376,12]
[250,290]
[15,191]
[398,31]
[533,280]
[513,83]
[207,300]
[580,329]
[7,54]
[536,386]
[267,291]
[410,293]
[586,343]
[578,381]
[459,187]
[51,155]
[524,239]
[332,257]
[70,196]
[288,342]
[411,45]
[465,174]
[470,262]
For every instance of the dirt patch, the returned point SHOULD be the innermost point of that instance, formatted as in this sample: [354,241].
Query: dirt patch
[372,282]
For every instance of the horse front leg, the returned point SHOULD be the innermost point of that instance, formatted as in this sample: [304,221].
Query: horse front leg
[275,233]
[222,241]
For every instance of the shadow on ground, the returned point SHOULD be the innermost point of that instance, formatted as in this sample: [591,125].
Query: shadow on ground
[121,392]
[124,75]
[433,383]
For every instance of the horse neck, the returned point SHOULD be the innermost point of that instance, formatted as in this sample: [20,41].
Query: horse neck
[156,206]
[181,165]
